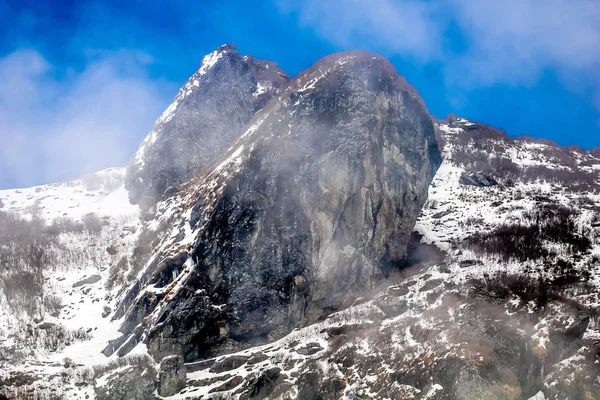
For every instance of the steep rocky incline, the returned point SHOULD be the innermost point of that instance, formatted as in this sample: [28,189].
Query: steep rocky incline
[505,306]
[206,117]
[314,203]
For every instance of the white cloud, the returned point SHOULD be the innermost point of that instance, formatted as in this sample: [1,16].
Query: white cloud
[56,124]
[508,41]
[410,27]
[514,41]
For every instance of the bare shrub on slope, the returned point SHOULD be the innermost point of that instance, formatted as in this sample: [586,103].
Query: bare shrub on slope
[549,223]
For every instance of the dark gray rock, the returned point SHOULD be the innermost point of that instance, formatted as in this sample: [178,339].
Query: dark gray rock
[309,349]
[313,385]
[234,382]
[442,214]
[262,386]
[397,291]
[258,358]
[469,263]
[477,179]
[47,325]
[131,342]
[171,376]
[567,341]
[208,114]
[431,285]
[577,329]
[317,202]
[87,281]
[309,387]
[114,344]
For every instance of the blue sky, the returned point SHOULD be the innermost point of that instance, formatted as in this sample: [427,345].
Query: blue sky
[82,82]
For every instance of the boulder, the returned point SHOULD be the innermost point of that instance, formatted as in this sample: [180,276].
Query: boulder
[477,179]
[172,375]
[87,281]
[262,386]
[309,349]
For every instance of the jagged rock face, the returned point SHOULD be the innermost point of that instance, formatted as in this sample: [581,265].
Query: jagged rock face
[318,201]
[207,115]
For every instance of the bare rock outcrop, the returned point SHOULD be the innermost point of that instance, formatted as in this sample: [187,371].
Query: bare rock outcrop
[313,204]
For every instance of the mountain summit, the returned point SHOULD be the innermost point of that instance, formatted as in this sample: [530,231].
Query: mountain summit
[313,203]
[207,115]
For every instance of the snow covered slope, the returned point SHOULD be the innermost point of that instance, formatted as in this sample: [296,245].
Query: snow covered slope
[101,193]
[55,297]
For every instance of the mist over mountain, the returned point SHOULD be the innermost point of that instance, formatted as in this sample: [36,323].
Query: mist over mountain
[314,237]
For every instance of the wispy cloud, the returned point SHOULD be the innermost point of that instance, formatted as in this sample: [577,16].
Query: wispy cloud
[60,124]
[507,42]
[514,41]
[410,27]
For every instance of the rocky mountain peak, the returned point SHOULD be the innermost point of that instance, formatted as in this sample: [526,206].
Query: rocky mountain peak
[373,70]
[227,47]
[207,115]
[314,203]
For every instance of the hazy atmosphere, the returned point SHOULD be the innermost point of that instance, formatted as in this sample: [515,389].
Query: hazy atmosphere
[83,82]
